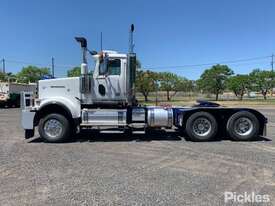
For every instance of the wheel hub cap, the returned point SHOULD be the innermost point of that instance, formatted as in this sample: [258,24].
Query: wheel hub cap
[53,128]
[201,126]
[243,126]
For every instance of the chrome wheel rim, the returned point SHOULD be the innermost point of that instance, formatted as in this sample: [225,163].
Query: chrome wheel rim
[202,127]
[243,126]
[53,128]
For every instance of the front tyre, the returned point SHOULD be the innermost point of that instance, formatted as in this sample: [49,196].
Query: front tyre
[243,126]
[201,126]
[54,128]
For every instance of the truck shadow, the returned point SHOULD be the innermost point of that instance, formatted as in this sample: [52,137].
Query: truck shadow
[88,136]
[160,135]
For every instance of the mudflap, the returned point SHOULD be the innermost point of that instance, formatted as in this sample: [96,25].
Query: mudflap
[29,133]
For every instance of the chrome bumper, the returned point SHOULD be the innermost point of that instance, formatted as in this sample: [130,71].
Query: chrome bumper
[27,118]
[27,114]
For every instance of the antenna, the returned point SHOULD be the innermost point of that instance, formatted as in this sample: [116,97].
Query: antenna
[131,39]
[101,41]
[52,67]
[272,62]
[272,73]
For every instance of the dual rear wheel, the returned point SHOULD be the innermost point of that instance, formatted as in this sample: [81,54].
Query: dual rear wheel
[241,126]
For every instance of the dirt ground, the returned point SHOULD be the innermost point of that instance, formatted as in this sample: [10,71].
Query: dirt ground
[110,169]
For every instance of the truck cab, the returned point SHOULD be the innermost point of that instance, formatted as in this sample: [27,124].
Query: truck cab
[109,84]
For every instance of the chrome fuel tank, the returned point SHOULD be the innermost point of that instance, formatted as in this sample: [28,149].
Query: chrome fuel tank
[159,117]
[103,117]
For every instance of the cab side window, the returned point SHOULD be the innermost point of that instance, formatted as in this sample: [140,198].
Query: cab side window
[114,66]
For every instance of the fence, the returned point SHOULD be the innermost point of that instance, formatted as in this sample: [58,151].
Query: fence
[161,96]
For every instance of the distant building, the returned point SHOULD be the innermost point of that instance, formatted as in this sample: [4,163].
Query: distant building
[10,92]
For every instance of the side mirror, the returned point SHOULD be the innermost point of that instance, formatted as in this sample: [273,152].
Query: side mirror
[93,52]
[103,69]
[105,63]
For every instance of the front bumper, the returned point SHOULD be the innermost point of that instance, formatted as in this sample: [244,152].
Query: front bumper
[27,114]
[27,118]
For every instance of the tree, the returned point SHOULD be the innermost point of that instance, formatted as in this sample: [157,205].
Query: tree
[239,84]
[74,72]
[7,77]
[2,76]
[145,82]
[170,82]
[214,80]
[31,74]
[263,81]
[182,84]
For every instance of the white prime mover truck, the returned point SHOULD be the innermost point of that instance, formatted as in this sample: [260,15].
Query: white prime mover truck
[106,99]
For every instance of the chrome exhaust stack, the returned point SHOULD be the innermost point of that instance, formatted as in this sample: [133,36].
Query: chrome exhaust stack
[131,69]
[85,86]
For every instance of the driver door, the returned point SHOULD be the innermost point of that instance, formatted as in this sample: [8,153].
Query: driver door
[109,84]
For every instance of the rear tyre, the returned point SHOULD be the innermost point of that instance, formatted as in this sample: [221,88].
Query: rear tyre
[54,128]
[243,126]
[201,126]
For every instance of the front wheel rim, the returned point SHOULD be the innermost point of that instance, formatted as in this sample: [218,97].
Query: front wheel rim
[53,128]
[202,127]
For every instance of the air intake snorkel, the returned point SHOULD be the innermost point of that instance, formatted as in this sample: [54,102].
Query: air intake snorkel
[83,45]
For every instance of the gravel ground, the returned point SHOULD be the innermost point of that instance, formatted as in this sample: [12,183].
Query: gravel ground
[98,169]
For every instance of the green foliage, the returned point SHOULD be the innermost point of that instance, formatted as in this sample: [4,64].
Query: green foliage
[171,82]
[31,74]
[239,84]
[74,72]
[2,76]
[145,82]
[7,77]
[263,81]
[214,80]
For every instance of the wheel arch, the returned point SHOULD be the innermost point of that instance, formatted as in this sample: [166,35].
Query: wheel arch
[52,107]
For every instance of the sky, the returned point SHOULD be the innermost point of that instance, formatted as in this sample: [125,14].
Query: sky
[167,33]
